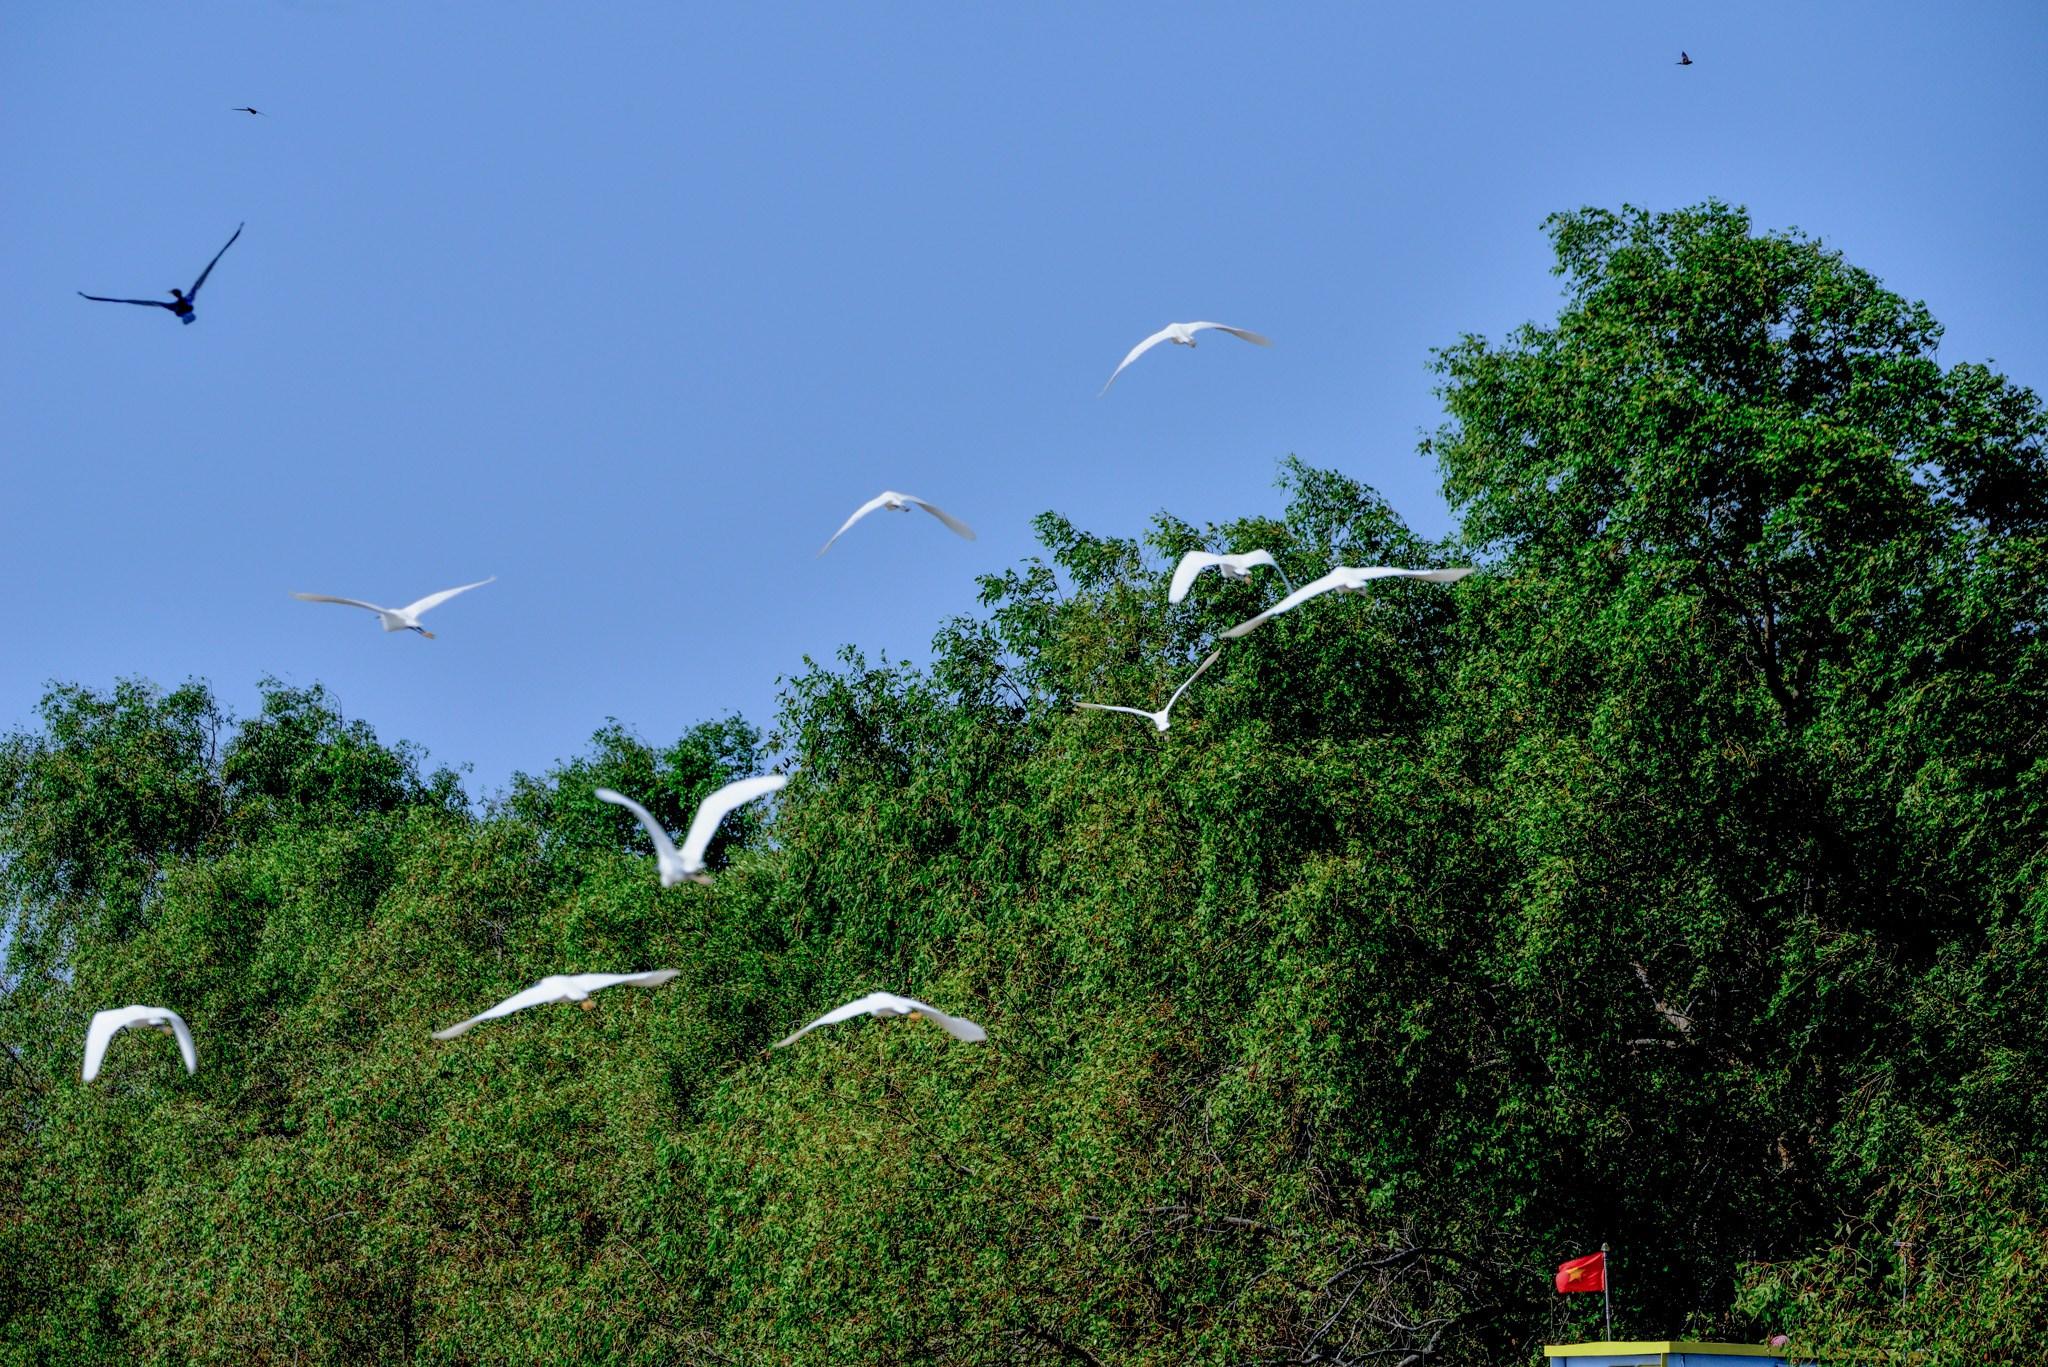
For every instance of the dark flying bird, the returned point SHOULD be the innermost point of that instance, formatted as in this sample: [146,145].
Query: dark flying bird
[1683,60]
[181,302]
[244,109]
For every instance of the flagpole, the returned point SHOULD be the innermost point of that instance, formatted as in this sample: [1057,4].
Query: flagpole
[1606,1281]
[1905,1279]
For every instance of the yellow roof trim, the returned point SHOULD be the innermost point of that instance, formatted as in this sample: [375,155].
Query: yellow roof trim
[1740,1350]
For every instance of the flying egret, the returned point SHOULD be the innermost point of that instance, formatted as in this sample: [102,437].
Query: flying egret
[1180,334]
[571,987]
[244,109]
[899,503]
[181,302]
[107,1024]
[1229,566]
[1343,577]
[406,618]
[1158,718]
[886,1006]
[688,863]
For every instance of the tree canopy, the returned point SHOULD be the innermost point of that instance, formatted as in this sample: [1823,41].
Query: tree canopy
[1675,882]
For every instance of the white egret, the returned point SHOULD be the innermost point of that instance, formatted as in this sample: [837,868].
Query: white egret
[1158,718]
[1180,334]
[572,987]
[687,864]
[899,503]
[887,1005]
[107,1024]
[1343,577]
[406,618]
[1229,566]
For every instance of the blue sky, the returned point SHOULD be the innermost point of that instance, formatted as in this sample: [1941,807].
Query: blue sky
[631,304]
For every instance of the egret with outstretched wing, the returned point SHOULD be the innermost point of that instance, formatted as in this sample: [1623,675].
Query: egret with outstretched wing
[107,1024]
[1345,578]
[406,618]
[887,1006]
[1180,334]
[687,864]
[573,987]
[1229,566]
[1159,718]
[899,503]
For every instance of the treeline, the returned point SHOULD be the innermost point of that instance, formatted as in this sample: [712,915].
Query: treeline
[1674,882]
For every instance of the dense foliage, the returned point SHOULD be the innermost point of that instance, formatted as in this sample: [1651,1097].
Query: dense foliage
[1674,882]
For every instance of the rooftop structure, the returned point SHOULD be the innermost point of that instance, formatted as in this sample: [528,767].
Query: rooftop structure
[1673,1353]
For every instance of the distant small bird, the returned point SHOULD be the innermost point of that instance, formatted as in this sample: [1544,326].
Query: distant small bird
[899,503]
[1229,566]
[1158,718]
[1683,58]
[886,1006]
[687,865]
[406,618]
[1343,577]
[181,302]
[574,987]
[244,109]
[1180,334]
[107,1024]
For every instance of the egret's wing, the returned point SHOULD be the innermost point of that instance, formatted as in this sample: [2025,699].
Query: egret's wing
[858,513]
[102,1028]
[184,1034]
[1332,580]
[665,849]
[345,602]
[1112,707]
[952,522]
[1248,335]
[518,1001]
[1191,564]
[859,1006]
[1358,578]
[1190,679]
[434,600]
[959,1027]
[598,982]
[193,293]
[713,809]
[1139,350]
[103,299]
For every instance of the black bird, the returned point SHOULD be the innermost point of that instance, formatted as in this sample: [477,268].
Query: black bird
[1683,60]
[244,109]
[181,304]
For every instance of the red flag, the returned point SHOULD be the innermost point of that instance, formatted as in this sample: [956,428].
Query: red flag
[1583,1274]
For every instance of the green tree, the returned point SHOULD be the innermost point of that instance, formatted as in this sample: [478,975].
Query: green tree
[1675,882]
[1753,686]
